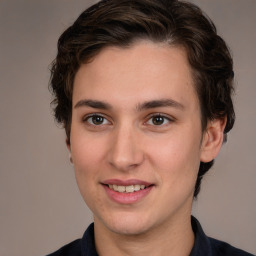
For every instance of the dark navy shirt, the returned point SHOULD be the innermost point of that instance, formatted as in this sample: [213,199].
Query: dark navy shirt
[204,246]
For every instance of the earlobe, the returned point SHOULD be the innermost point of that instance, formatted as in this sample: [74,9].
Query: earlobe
[212,139]
[68,144]
[69,150]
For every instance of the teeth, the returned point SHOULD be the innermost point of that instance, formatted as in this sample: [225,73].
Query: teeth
[136,187]
[121,189]
[126,189]
[129,189]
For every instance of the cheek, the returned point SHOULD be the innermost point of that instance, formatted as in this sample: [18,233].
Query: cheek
[87,151]
[86,166]
[176,149]
[87,157]
[177,158]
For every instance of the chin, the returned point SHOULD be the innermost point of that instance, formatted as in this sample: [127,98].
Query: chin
[129,230]
[128,225]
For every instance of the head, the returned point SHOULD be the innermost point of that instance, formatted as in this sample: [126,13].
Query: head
[122,23]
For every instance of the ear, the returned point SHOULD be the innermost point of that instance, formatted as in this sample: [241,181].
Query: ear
[69,150]
[212,139]
[68,144]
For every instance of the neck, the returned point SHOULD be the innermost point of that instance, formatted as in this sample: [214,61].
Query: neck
[173,238]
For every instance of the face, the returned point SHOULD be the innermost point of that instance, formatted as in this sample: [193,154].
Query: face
[136,138]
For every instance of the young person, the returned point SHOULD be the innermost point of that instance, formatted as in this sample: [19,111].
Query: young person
[143,89]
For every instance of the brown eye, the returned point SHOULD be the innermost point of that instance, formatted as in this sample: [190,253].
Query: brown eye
[158,120]
[97,120]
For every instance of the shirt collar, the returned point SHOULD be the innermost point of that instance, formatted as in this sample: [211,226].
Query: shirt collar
[202,245]
[88,243]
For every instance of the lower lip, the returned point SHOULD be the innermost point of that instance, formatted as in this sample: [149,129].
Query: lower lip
[127,198]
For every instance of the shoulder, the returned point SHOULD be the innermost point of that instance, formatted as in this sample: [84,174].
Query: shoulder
[206,246]
[71,249]
[84,246]
[224,249]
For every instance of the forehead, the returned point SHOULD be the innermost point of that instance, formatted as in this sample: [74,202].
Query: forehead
[145,69]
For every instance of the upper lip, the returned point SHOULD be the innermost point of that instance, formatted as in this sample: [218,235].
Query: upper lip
[126,182]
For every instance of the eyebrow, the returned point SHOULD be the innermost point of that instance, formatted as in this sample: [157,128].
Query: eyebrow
[140,107]
[160,103]
[93,104]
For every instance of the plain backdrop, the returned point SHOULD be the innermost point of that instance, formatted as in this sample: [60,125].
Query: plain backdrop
[40,205]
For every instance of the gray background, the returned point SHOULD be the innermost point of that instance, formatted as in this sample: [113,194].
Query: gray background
[41,208]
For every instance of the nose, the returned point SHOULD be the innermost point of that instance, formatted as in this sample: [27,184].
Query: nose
[125,151]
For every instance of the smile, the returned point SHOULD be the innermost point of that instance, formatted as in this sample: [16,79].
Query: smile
[126,189]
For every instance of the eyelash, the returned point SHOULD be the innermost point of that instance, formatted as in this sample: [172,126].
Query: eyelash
[86,119]
[166,120]
[164,117]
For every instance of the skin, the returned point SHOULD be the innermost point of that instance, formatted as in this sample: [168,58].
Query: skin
[127,143]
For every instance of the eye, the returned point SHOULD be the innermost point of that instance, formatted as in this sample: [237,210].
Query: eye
[158,120]
[96,119]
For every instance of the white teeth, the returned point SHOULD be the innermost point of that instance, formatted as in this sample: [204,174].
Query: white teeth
[127,189]
[136,187]
[121,189]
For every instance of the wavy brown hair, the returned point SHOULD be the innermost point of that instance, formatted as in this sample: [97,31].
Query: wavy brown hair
[123,22]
